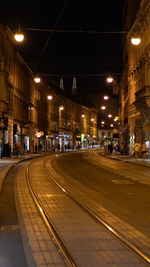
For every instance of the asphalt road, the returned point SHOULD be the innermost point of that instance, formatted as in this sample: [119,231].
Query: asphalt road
[126,198]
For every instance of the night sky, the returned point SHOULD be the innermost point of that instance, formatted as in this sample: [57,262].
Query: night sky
[69,53]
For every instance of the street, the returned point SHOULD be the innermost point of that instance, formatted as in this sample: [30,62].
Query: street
[117,192]
[121,189]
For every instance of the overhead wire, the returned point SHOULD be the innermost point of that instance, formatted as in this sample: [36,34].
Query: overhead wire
[51,34]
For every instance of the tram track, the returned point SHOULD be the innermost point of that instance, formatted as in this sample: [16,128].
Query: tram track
[71,261]
[50,226]
[102,222]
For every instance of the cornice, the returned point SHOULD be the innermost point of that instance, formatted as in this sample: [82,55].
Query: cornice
[141,20]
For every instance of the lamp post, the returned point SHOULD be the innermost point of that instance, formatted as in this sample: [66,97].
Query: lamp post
[19,36]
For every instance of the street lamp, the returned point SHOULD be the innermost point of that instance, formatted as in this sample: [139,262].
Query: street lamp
[37,79]
[105,97]
[109,116]
[103,107]
[61,107]
[49,97]
[82,116]
[135,40]
[109,79]
[19,37]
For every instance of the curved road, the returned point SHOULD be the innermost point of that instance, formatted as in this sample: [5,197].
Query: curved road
[116,187]
[117,192]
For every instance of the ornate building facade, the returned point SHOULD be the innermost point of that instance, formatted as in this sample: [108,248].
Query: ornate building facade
[135,85]
[28,119]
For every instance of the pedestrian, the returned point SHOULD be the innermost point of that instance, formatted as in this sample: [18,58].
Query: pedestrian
[40,147]
[137,148]
[121,148]
[36,148]
[110,148]
[16,150]
[143,150]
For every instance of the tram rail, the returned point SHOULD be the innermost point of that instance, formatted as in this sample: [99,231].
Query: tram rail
[117,235]
[69,259]
[51,227]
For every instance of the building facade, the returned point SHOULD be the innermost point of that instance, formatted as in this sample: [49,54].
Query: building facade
[28,120]
[18,97]
[135,84]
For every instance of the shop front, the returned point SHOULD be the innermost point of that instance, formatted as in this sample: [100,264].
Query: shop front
[65,141]
[1,141]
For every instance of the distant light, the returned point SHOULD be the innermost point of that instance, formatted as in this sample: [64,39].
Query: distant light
[19,37]
[102,122]
[103,107]
[110,79]
[61,107]
[37,79]
[82,116]
[92,119]
[109,116]
[136,41]
[115,119]
[49,97]
[105,97]
[39,134]
[111,125]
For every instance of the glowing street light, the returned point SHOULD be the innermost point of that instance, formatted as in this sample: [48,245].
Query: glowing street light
[136,41]
[49,97]
[82,116]
[37,79]
[102,122]
[116,118]
[92,119]
[105,97]
[19,37]
[111,125]
[103,107]
[110,79]
[109,116]
[61,107]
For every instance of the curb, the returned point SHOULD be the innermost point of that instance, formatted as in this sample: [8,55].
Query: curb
[127,161]
[11,165]
[4,173]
